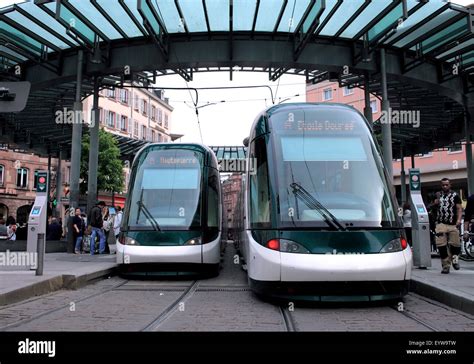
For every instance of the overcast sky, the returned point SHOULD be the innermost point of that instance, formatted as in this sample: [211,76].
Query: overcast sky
[228,122]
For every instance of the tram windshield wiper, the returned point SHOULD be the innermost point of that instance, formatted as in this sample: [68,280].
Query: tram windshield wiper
[314,204]
[146,212]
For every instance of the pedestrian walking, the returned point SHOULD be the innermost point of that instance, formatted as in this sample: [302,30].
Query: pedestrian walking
[447,224]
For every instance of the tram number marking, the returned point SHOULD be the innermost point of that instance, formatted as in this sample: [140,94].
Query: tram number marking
[291,117]
[400,307]
[345,70]
[126,259]
[181,306]
[400,211]
[236,259]
[72,306]
[345,165]
[291,306]
[455,164]
[181,212]
[291,212]
[126,70]
[17,70]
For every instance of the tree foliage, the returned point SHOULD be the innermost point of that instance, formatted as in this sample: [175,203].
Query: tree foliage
[110,169]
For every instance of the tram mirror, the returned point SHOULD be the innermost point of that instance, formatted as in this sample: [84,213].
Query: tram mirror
[13,96]
[245,142]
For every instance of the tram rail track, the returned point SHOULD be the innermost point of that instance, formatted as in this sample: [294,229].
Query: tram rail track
[288,319]
[56,309]
[172,308]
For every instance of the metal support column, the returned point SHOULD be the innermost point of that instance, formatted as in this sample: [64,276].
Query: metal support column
[412,161]
[403,183]
[386,127]
[76,150]
[469,157]
[59,187]
[93,150]
[367,108]
[48,194]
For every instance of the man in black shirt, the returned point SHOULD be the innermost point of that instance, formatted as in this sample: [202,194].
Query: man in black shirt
[447,223]
[96,222]
[78,230]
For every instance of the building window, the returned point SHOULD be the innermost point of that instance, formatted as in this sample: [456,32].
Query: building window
[346,91]
[373,106]
[160,139]
[327,94]
[110,119]
[22,178]
[124,96]
[143,132]
[143,107]
[2,173]
[153,136]
[123,123]
[160,117]
[455,149]
[136,102]
[110,93]
[135,129]
[153,113]
[166,121]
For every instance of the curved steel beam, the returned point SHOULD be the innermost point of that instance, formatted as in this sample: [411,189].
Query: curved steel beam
[140,55]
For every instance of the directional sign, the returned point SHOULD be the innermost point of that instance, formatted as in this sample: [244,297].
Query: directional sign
[42,182]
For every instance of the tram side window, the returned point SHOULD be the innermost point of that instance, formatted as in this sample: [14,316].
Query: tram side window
[259,186]
[213,199]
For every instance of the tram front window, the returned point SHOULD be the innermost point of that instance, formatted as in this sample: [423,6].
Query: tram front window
[331,173]
[166,193]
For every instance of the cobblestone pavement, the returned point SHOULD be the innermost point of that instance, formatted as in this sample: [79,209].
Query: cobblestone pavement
[223,303]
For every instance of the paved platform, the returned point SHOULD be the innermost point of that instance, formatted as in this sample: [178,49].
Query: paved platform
[61,271]
[70,271]
[455,289]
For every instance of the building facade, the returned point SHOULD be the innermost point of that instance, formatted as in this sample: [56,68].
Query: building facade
[230,193]
[130,112]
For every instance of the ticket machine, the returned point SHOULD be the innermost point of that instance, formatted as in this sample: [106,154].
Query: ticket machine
[38,214]
[420,223]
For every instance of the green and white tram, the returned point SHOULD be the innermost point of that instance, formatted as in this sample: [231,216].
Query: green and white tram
[172,217]
[319,220]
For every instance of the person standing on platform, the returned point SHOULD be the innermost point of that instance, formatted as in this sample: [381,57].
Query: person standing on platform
[447,224]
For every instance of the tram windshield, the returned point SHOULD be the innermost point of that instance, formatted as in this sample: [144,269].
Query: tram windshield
[166,191]
[329,171]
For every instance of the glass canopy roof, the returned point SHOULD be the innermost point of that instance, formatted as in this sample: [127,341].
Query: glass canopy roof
[30,30]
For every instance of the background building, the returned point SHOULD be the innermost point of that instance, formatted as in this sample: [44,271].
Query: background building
[130,112]
[230,194]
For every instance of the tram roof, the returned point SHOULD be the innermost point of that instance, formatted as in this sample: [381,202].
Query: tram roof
[320,39]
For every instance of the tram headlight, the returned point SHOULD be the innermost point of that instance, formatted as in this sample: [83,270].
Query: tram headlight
[395,245]
[130,241]
[287,246]
[194,241]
